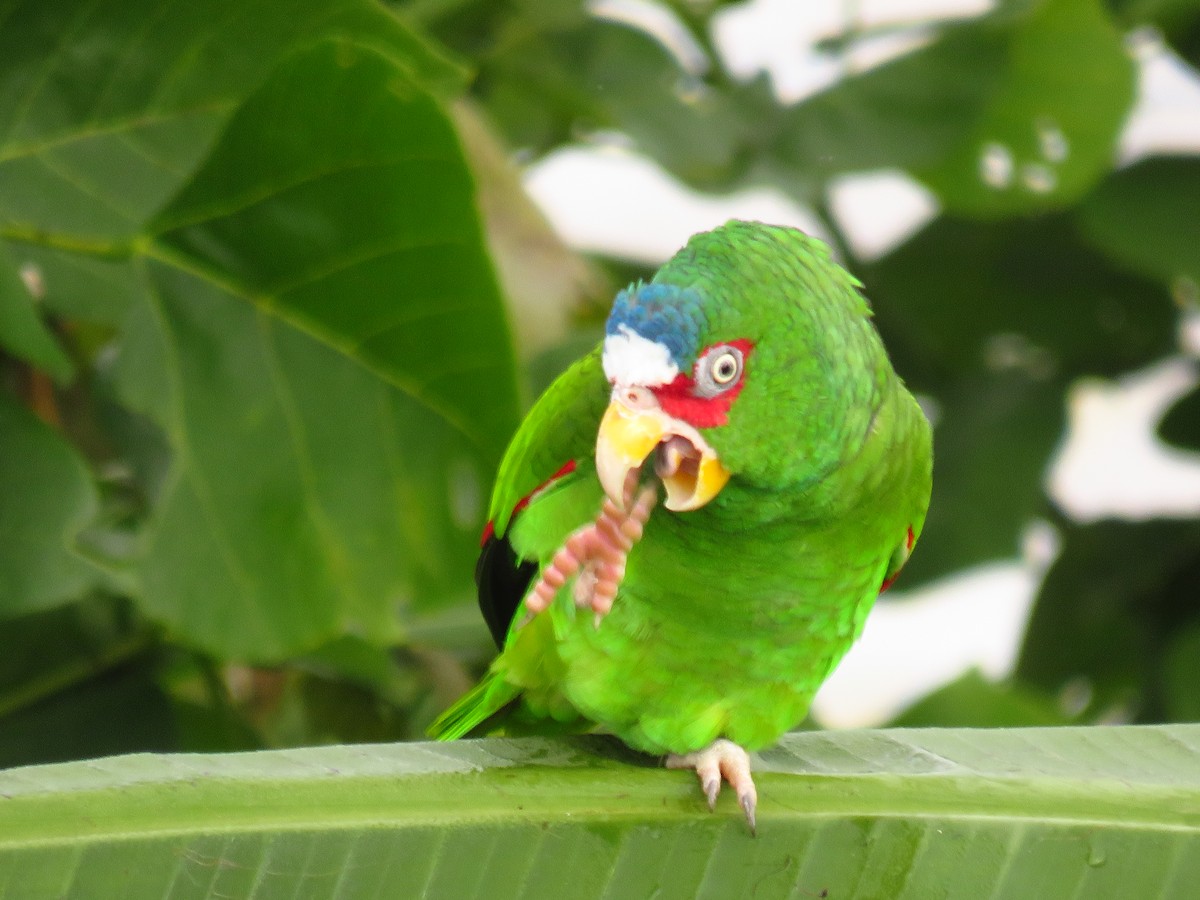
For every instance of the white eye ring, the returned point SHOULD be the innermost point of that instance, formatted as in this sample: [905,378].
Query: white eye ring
[718,370]
[725,368]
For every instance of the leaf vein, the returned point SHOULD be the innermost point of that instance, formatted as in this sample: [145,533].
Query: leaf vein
[408,318]
[191,471]
[74,179]
[82,12]
[304,463]
[98,129]
[228,206]
[366,254]
[123,57]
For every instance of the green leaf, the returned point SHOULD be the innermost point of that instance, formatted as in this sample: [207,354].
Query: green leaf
[68,674]
[22,332]
[299,505]
[1134,12]
[1088,812]
[1048,134]
[78,723]
[46,648]
[1025,294]
[63,674]
[991,444]
[1181,423]
[1181,687]
[48,498]
[107,106]
[908,113]
[1109,609]
[524,52]
[1145,217]
[82,288]
[993,320]
[362,232]
[549,78]
[692,129]
[284,232]
[973,701]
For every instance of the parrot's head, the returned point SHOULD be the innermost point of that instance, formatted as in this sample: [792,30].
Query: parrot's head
[749,355]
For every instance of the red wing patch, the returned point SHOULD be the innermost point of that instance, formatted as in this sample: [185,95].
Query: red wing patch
[908,545]
[490,528]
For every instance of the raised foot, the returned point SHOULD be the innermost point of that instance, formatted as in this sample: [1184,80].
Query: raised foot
[598,553]
[722,759]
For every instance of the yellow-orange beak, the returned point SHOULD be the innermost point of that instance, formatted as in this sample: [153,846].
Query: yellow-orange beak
[688,467]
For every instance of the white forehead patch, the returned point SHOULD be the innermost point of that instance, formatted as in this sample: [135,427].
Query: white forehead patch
[630,358]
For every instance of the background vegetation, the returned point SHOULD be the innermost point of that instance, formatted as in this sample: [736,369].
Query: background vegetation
[256,362]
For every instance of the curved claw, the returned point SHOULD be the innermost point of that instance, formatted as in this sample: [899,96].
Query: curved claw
[722,760]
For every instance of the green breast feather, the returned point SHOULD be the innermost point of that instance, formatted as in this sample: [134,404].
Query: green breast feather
[691,525]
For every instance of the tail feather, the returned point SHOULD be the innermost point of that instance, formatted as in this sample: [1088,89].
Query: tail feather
[474,708]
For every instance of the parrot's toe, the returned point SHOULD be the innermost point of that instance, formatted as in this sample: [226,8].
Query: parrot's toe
[722,760]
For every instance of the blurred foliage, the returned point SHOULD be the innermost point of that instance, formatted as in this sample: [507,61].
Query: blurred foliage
[256,372]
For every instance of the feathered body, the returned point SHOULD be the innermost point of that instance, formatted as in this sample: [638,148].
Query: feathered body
[732,608]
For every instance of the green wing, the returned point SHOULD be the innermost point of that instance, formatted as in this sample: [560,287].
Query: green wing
[560,428]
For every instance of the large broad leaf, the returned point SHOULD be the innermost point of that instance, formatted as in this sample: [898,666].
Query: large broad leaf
[983,113]
[46,499]
[284,230]
[553,75]
[909,113]
[1110,611]
[972,701]
[68,674]
[361,231]
[308,498]
[1180,424]
[81,287]
[1145,216]
[107,106]
[991,444]
[1086,812]
[1049,129]
[1023,294]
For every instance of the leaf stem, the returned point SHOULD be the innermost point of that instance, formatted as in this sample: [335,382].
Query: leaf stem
[74,672]
[83,244]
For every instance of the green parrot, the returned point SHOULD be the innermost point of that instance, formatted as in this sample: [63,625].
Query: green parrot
[748,384]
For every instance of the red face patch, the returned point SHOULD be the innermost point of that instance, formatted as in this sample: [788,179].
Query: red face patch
[684,399]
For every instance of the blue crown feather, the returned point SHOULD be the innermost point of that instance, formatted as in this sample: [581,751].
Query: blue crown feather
[663,313]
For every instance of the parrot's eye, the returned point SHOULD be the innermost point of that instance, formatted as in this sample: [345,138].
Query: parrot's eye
[718,370]
[725,369]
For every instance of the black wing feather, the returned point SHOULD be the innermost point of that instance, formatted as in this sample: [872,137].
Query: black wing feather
[501,580]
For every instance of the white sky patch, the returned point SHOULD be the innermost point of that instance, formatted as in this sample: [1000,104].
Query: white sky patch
[1166,116]
[780,37]
[610,200]
[914,644]
[1113,463]
[880,210]
[630,358]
